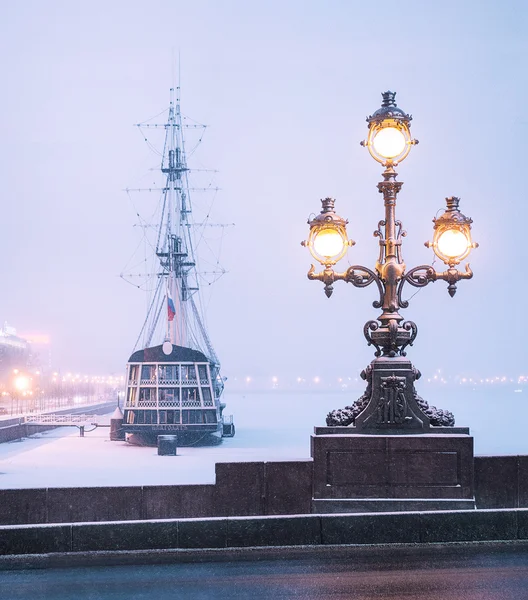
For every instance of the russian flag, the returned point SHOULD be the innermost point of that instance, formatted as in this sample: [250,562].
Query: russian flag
[170,307]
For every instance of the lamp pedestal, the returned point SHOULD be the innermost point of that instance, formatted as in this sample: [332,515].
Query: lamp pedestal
[391,458]
[391,472]
[391,403]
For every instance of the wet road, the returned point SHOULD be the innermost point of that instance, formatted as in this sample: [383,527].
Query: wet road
[498,572]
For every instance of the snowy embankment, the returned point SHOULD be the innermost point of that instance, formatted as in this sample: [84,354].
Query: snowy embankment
[270,426]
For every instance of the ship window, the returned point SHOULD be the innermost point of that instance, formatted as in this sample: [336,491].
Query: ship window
[163,417]
[133,373]
[130,417]
[148,373]
[170,417]
[149,417]
[192,417]
[132,393]
[169,373]
[210,416]
[202,372]
[169,396]
[176,416]
[190,397]
[141,417]
[188,373]
[147,396]
[206,393]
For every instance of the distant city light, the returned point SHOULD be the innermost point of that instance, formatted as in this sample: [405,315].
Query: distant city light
[22,383]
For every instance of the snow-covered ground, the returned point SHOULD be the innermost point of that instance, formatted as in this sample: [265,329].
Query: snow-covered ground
[269,426]
[265,430]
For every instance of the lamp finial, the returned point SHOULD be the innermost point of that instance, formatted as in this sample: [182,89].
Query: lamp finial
[388,98]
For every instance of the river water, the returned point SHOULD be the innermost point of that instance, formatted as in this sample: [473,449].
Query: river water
[496,415]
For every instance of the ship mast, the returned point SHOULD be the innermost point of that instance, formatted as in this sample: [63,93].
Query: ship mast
[175,249]
[178,278]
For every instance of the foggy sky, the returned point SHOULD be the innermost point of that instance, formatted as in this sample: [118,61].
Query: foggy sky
[285,87]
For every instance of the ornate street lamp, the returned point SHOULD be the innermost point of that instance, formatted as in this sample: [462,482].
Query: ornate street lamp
[327,241]
[390,401]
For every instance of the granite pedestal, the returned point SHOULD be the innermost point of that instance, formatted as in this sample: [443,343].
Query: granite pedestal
[385,472]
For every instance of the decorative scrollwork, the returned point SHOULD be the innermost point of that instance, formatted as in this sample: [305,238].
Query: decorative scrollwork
[401,233]
[379,231]
[382,242]
[409,326]
[417,277]
[371,326]
[361,277]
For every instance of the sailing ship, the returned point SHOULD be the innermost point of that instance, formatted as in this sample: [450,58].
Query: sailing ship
[174,386]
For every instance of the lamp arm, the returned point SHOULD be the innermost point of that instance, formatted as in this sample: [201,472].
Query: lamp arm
[357,275]
[417,277]
[361,277]
[452,276]
[327,276]
[425,274]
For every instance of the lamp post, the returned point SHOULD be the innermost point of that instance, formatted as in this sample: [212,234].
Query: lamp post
[21,387]
[390,400]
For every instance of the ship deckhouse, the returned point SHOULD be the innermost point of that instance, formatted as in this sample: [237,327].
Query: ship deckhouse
[178,391]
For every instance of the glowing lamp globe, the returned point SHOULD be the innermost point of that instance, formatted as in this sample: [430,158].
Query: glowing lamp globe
[328,240]
[452,243]
[389,139]
[389,142]
[328,243]
[452,234]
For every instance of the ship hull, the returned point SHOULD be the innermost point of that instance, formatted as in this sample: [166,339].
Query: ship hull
[205,435]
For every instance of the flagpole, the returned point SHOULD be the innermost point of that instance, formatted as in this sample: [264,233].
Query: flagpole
[167,296]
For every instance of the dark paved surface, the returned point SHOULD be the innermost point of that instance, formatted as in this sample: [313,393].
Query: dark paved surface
[459,572]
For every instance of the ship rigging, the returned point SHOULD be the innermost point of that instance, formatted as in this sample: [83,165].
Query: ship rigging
[173,380]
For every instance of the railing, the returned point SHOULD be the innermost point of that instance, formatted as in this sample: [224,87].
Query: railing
[51,419]
[191,403]
[169,403]
[147,404]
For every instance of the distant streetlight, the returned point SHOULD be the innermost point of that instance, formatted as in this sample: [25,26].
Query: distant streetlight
[390,399]
[22,383]
[21,387]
